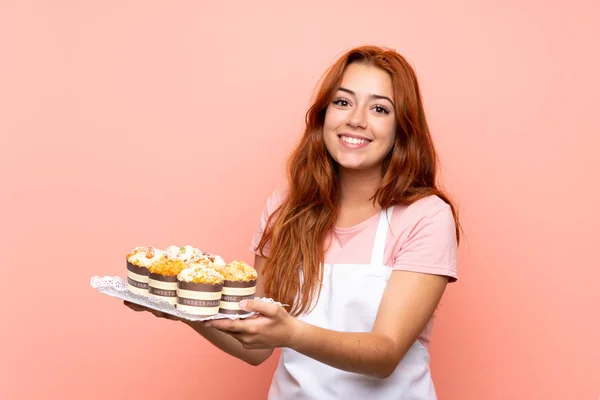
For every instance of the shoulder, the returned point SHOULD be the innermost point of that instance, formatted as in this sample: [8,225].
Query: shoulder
[427,208]
[272,203]
[428,220]
[426,241]
[275,199]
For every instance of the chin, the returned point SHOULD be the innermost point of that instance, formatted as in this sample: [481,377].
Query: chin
[358,161]
[358,165]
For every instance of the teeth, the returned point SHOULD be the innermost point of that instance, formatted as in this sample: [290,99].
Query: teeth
[354,140]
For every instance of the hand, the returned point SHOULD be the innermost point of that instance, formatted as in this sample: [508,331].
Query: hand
[272,327]
[159,314]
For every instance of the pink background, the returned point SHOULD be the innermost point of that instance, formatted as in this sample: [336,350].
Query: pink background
[148,122]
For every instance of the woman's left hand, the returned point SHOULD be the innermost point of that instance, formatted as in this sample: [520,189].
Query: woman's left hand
[272,327]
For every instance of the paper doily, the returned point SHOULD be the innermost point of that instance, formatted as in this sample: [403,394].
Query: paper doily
[116,286]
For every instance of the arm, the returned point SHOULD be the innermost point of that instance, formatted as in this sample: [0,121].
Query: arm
[407,305]
[226,342]
[423,267]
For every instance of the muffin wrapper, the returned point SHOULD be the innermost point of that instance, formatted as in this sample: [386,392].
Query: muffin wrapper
[233,293]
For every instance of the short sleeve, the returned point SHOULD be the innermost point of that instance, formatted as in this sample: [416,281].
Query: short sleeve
[430,246]
[272,203]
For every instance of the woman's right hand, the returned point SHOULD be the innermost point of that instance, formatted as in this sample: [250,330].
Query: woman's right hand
[222,340]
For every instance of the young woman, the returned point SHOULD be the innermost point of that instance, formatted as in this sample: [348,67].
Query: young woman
[360,245]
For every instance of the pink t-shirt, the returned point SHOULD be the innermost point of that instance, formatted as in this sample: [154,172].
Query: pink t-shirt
[422,238]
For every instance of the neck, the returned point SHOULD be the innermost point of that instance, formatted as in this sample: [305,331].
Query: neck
[357,187]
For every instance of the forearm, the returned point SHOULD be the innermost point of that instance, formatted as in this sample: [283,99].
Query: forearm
[365,353]
[230,345]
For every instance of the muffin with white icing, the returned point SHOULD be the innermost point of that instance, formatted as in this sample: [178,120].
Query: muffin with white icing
[185,253]
[216,260]
[199,290]
[138,262]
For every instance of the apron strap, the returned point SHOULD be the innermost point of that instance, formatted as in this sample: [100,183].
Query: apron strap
[380,236]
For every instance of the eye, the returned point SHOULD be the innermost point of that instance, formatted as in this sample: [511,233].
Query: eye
[341,102]
[381,110]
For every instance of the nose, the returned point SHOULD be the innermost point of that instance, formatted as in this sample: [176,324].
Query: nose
[358,118]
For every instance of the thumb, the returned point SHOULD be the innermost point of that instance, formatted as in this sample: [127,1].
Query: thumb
[261,307]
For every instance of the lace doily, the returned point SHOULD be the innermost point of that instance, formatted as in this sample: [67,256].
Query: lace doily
[116,286]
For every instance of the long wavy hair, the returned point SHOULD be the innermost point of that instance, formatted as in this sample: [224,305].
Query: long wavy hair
[297,230]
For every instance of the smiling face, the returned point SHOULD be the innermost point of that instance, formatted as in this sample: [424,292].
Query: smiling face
[360,123]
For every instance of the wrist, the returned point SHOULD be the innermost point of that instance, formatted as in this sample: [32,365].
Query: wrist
[297,331]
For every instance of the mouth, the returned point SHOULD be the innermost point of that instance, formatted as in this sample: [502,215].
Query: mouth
[354,141]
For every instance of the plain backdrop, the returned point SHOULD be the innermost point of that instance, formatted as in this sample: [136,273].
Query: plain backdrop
[126,123]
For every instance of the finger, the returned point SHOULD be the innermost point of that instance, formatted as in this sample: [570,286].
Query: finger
[221,324]
[224,326]
[158,314]
[163,315]
[261,307]
[135,307]
[171,317]
[228,326]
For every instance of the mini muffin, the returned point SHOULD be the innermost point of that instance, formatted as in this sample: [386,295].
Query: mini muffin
[239,284]
[194,255]
[216,260]
[185,253]
[138,262]
[162,278]
[199,291]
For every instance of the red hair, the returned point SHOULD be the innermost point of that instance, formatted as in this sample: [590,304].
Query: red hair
[298,228]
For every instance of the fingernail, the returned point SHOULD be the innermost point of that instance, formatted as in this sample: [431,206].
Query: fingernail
[243,304]
[207,324]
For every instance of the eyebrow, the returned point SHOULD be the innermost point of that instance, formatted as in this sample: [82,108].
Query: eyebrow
[373,96]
